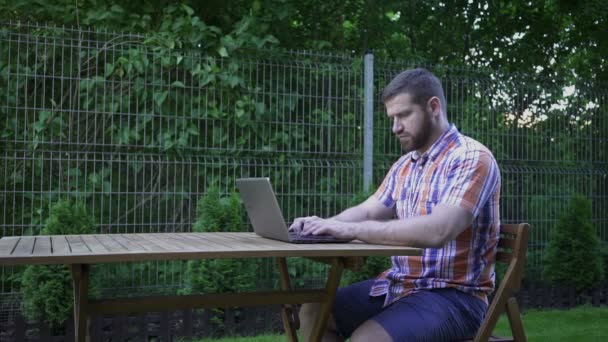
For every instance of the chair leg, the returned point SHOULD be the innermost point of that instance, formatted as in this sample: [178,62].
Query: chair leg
[489,323]
[517,325]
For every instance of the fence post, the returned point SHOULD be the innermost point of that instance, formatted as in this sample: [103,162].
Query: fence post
[368,122]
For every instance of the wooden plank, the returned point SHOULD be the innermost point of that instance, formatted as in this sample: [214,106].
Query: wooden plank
[509,229]
[187,243]
[80,281]
[333,281]
[8,244]
[60,245]
[25,246]
[208,238]
[77,246]
[218,300]
[134,239]
[126,243]
[247,242]
[43,245]
[506,243]
[224,239]
[161,241]
[109,243]
[201,241]
[289,314]
[167,240]
[206,245]
[94,245]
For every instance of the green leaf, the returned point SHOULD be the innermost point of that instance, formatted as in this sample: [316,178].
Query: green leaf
[94,178]
[44,115]
[106,187]
[188,9]
[178,84]
[192,130]
[136,166]
[223,52]
[109,69]
[159,97]
[73,172]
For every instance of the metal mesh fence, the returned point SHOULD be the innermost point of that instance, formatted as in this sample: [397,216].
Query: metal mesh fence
[139,134]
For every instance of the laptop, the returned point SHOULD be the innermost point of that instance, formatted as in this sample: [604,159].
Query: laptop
[266,216]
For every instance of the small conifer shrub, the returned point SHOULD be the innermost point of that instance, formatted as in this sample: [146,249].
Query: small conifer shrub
[573,256]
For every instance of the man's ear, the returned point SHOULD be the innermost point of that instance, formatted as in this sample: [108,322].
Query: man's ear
[434,106]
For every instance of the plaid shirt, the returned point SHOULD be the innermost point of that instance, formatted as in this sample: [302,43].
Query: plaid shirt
[458,171]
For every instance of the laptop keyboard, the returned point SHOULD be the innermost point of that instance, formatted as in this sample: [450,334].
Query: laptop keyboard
[297,238]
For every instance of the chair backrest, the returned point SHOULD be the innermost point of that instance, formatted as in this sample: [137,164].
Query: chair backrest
[512,248]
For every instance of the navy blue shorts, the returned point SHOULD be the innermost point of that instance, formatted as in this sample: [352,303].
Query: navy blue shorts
[428,315]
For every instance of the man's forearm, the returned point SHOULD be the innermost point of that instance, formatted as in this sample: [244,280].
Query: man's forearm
[415,232]
[354,214]
[426,231]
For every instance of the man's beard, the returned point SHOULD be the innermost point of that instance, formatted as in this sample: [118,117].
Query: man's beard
[421,138]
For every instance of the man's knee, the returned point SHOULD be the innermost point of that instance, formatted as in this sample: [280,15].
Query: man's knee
[370,330]
[309,313]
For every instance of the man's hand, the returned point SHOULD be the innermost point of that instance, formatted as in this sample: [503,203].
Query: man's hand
[314,225]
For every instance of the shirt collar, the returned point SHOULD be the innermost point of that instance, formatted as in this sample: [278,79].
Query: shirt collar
[433,152]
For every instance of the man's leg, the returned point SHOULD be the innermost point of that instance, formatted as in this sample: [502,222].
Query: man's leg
[429,315]
[370,330]
[352,306]
[308,315]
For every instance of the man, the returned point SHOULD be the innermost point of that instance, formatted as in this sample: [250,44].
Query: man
[442,195]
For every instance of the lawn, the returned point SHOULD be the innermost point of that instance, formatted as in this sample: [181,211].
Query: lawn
[580,324]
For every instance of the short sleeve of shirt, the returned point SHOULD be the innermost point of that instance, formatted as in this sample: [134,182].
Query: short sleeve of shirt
[471,181]
[386,190]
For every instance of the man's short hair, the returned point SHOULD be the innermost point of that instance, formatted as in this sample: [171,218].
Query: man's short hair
[420,83]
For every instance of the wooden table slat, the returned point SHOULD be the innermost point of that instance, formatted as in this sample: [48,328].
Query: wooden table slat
[128,244]
[43,245]
[8,244]
[77,245]
[209,239]
[155,241]
[201,241]
[146,245]
[25,246]
[94,244]
[60,246]
[170,242]
[223,239]
[111,244]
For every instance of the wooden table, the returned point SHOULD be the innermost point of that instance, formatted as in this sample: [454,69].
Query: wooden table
[80,251]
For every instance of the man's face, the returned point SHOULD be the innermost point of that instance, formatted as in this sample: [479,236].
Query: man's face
[411,123]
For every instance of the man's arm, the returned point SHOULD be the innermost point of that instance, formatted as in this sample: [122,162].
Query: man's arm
[370,209]
[427,231]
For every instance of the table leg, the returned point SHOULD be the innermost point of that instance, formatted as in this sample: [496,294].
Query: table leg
[80,279]
[289,313]
[333,281]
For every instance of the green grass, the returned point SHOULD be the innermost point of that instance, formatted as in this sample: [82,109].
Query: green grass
[587,324]
[580,324]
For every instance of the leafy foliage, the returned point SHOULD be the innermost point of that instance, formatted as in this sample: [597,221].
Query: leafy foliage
[573,256]
[47,290]
[216,213]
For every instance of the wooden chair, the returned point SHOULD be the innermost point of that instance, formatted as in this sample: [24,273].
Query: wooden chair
[512,248]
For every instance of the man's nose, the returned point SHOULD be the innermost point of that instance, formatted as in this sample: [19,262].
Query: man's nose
[397,127]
